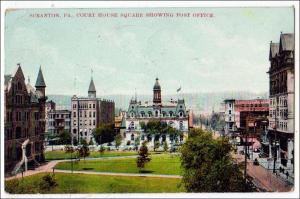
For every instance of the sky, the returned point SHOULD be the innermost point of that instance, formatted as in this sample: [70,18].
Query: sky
[227,52]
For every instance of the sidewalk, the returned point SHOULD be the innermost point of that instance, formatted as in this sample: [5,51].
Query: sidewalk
[263,177]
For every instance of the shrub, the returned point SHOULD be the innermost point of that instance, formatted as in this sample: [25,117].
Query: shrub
[47,183]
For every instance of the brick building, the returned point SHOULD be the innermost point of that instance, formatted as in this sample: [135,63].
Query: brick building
[89,113]
[241,115]
[24,121]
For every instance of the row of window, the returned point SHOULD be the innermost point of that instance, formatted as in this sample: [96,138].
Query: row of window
[53,123]
[53,116]
[164,114]
[20,117]
[86,122]
[281,113]
[84,114]
[282,101]
[84,105]
[20,133]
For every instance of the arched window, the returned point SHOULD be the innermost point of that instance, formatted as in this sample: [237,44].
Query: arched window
[156,113]
[132,114]
[164,114]
[132,136]
[171,113]
[149,114]
[180,114]
[142,114]
[131,126]
[74,131]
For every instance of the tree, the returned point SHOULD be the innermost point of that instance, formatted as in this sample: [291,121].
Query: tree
[208,166]
[137,143]
[143,156]
[65,138]
[156,145]
[84,151]
[69,149]
[105,133]
[91,142]
[166,146]
[118,140]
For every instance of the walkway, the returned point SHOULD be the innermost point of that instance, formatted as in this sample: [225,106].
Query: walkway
[263,177]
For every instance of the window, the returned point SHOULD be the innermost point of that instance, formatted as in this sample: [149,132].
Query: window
[132,136]
[90,114]
[90,106]
[180,114]
[94,114]
[74,114]
[181,125]
[229,111]
[149,114]
[94,122]
[84,113]
[93,105]
[171,113]
[132,114]
[164,114]
[229,119]
[229,105]
[156,113]
[18,116]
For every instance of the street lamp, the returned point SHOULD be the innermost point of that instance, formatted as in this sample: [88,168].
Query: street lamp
[275,145]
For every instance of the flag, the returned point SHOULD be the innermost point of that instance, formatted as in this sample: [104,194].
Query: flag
[179,89]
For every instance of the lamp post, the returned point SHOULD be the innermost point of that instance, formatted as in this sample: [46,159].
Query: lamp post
[275,145]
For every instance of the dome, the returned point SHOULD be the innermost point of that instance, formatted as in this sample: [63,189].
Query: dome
[156,85]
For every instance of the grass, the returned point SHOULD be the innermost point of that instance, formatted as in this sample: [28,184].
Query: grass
[160,164]
[60,155]
[85,183]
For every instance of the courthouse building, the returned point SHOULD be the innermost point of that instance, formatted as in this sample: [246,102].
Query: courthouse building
[24,121]
[89,113]
[174,113]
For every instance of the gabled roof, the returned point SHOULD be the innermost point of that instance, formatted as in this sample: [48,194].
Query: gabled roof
[274,49]
[40,82]
[287,42]
[92,86]
[19,73]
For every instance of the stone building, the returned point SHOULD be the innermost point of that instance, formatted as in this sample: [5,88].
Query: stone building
[24,121]
[282,100]
[89,113]
[174,113]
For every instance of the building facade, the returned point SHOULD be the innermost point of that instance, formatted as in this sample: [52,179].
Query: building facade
[173,113]
[89,113]
[24,121]
[282,95]
[58,121]
[241,114]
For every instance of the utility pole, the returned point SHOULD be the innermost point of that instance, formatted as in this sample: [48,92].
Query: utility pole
[245,148]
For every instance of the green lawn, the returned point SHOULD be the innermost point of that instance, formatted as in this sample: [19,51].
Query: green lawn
[83,183]
[159,164]
[60,155]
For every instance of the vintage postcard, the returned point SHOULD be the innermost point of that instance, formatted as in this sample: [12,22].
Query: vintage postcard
[150,100]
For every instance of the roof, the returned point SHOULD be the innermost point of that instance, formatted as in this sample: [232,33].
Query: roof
[156,85]
[92,86]
[274,49]
[40,82]
[287,42]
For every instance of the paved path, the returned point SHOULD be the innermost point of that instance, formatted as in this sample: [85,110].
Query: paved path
[263,177]
[119,174]
[48,167]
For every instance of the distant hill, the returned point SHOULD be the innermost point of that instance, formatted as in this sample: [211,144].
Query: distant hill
[198,102]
